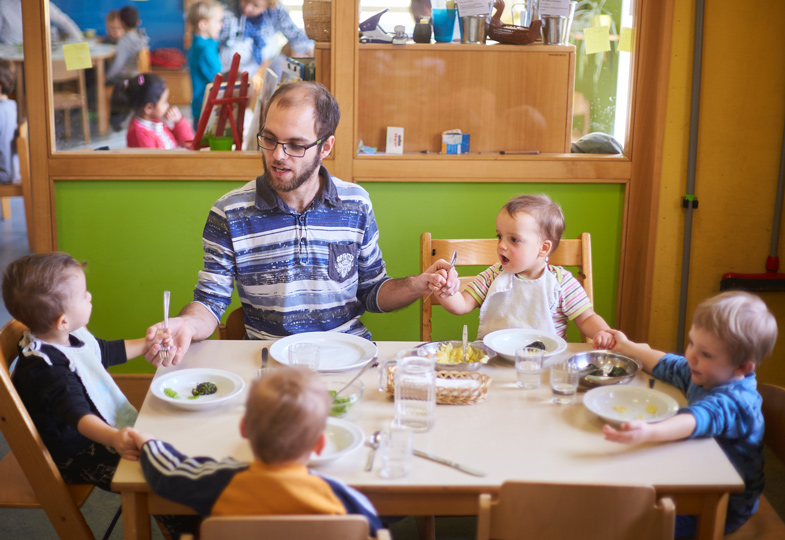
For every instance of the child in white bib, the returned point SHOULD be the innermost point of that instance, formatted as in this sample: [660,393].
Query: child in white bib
[82,416]
[522,290]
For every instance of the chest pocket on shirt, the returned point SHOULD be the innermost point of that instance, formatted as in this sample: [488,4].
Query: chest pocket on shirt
[343,261]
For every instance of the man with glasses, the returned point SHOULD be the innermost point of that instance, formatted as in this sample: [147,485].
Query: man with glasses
[301,245]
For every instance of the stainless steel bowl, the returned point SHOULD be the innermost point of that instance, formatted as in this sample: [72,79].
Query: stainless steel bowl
[430,349]
[590,378]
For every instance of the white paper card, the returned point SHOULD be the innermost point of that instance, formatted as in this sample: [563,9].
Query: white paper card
[473,7]
[394,140]
[555,7]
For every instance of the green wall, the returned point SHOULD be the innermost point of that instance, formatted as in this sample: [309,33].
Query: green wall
[140,238]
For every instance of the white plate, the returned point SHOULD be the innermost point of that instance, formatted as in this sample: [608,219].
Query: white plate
[342,438]
[183,381]
[505,342]
[617,404]
[337,351]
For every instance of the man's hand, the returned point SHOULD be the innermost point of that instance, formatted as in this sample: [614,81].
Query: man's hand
[178,338]
[125,444]
[634,432]
[441,279]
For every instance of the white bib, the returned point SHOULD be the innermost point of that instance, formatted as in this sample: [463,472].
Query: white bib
[85,361]
[514,302]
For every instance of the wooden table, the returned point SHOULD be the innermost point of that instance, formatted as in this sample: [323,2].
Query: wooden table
[513,435]
[99,53]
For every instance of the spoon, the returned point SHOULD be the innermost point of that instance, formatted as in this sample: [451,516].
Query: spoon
[374,444]
[452,265]
[465,340]
[164,352]
[347,385]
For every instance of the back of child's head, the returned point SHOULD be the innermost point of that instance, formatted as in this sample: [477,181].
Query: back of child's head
[546,213]
[7,77]
[140,90]
[285,414]
[34,291]
[742,322]
[129,16]
[201,11]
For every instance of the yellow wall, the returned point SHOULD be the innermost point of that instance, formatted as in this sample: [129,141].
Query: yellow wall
[742,116]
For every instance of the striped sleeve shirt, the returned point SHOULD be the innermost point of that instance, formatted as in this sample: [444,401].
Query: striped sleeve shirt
[315,271]
[572,298]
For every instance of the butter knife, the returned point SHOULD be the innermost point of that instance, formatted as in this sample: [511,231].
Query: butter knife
[462,468]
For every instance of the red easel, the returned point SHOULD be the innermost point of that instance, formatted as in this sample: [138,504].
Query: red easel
[226,103]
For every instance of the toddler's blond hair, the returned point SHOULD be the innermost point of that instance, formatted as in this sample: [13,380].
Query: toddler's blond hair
[545,212]
[201,11]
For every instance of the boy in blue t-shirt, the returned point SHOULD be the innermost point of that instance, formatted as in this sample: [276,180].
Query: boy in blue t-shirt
[731,333]
[206,19]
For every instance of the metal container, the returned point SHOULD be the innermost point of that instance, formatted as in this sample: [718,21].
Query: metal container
[556,28]
[590,378]
[432,349]
[473,29]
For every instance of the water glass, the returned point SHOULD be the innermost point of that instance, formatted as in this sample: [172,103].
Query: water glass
[443,24]
[528,367]
[415,389]
[397,449]
[564,382]
[304,354]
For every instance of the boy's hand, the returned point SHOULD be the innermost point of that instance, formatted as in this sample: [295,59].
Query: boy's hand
[634,432]
[442,279]
[125,444]
[603,340]
[140,438]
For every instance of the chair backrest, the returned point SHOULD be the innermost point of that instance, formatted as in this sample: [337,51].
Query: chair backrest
[482,252]
[143,60]
[349,527]
[774,417]
[59,501]
[234,327]
[23,150]
[558,511]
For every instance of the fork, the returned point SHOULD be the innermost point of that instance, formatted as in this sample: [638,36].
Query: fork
[164,352]
[452,265]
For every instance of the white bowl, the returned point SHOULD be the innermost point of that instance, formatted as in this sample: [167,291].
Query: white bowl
[617,404]
[184,380]
[342,438]
[506,342]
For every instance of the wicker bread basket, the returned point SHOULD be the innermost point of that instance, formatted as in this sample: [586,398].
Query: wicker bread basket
[457,393]
[317,15]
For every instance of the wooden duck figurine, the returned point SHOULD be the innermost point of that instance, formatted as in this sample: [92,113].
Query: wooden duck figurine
[509,33]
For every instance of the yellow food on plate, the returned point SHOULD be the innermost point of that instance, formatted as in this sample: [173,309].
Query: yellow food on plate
[447,354]
[619,409]
[651,409]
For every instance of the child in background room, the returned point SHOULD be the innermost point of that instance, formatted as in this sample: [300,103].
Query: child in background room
[522,290]
[129,45]
[155,124]
[82,416]
[731,333]
[114,27]
[206,20]
[285,419]
[7,122]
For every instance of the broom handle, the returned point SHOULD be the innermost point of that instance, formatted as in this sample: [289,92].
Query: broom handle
[775,229]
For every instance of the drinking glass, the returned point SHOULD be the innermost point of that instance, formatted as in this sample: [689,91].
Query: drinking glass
[443,14]
[528,367]
[415,389]
[397,449]
[304,354]
[564,382]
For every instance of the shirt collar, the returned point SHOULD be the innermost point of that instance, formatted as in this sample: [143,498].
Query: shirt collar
[268,199]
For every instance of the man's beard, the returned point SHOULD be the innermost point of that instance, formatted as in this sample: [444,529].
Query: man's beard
[305,173]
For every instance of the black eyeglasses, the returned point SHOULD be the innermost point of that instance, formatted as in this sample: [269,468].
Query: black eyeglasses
[290,149]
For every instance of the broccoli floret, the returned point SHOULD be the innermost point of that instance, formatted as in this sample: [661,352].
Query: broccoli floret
[339,406]
[204,389]
[537,345]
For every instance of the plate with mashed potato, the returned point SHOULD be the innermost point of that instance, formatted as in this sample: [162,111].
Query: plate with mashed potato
[617,404]
[449,355]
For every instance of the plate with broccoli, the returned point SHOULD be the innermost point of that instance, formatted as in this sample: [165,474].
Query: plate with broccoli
[198,388]
[505,342]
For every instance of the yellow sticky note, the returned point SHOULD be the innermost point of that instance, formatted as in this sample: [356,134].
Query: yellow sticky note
[625,40]
[597,39]
[77,56]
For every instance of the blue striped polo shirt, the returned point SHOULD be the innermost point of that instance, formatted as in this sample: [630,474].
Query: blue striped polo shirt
[315,271]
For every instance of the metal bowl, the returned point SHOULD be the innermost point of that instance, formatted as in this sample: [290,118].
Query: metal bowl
[431,349]
[590,378]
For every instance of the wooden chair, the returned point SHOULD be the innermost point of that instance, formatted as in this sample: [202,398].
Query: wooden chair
[558,511]
[23,188]
[349,527]
[483,253]
[234,328]
[28,476]
[66,98]
[766,524]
